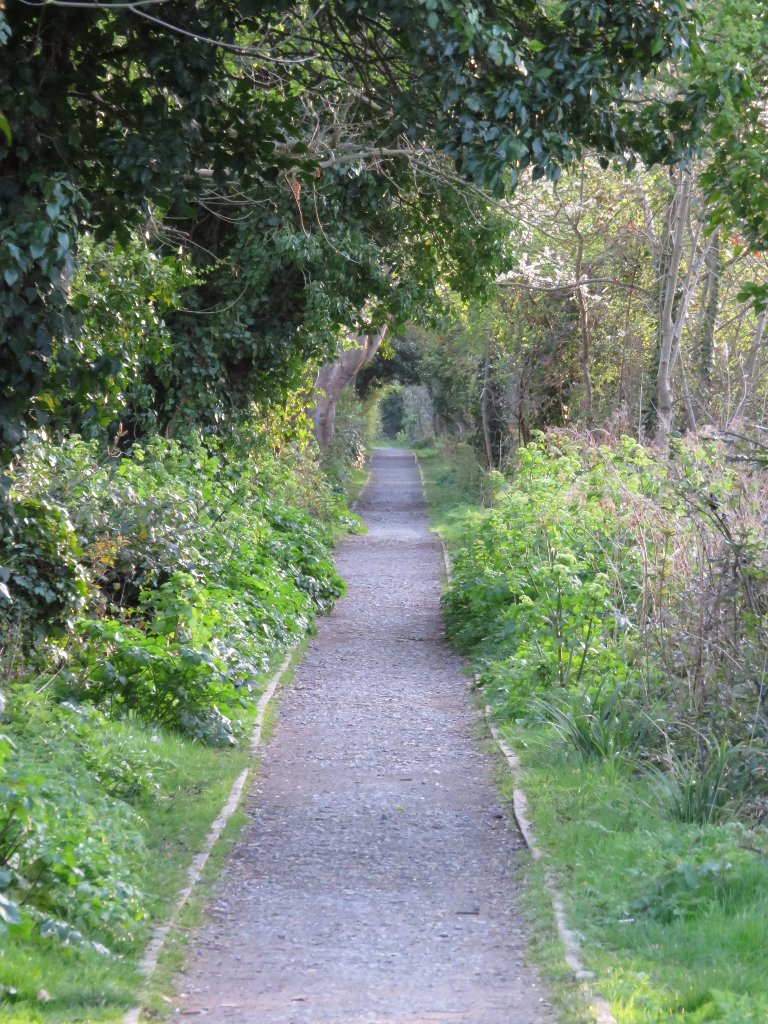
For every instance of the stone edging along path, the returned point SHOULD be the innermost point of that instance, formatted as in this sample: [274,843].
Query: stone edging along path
[194,873]
[196,868]
[375,879]
[571,951]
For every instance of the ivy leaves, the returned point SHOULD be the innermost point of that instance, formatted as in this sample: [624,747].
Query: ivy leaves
[36,250]
[523,86]
[111,115]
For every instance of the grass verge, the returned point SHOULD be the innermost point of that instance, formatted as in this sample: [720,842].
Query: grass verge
[44,983]
[358,478]
[673,916]
[453,482]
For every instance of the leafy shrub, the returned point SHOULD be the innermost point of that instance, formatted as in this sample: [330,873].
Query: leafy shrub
[68,854]
[545,590]
[77,862]
[199,573]
[599,569]
[126,670]
[9,909]
[41,576]
[122,763]
[301,551]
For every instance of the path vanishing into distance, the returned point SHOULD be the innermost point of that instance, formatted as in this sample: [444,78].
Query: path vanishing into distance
[376,880]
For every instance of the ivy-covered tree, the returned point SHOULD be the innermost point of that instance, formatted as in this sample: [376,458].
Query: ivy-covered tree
[116,113]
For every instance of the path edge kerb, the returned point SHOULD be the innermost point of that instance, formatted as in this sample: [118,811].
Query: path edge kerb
[157,941]
[572,953]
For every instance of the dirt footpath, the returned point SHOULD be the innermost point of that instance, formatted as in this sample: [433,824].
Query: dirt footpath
[375,880]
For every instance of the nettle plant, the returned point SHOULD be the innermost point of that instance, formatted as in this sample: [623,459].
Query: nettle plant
[547,592]
[69,860]
[193,575]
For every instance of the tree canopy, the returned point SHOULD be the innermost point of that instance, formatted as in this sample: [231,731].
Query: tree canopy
[318,167]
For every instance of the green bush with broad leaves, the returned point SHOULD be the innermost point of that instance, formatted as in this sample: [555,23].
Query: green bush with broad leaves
[180,569]
[618,600]
[145,594]
[43,583]
[71,848]
[176,570]
[545,588]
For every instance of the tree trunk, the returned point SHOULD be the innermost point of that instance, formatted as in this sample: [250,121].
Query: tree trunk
[710,307]
[659,244]
[585,329]
[750,370]
[333,377]
[586,344]
[485,398]
[664,391]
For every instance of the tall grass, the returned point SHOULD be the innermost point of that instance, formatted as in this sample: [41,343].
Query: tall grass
[596,725]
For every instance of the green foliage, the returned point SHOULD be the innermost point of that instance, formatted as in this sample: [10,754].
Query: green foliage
[671,916]
[602,567]
[44,581]
[597,725]
[197,573]
[70,852]
[126,670]
[600,592]
[714,784]
[36,253]
[392,410]
[544,592]
[9,909]
[197,565]
[100,380]
[731,73]
[352,439]
[691,875]
[113,114]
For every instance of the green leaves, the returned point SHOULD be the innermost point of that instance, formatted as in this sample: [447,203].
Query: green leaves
[299,229]
[755,293]
[69,856]
[196,575]
[535,597]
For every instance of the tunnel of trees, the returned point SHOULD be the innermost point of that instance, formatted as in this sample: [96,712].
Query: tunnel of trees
[237,238]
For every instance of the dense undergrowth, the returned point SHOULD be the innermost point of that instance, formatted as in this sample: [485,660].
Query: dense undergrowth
[613,607]
[145,596]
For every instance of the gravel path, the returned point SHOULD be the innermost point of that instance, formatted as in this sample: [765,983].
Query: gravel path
[375,880]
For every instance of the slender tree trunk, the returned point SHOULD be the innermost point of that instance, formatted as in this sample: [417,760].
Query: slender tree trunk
[690,414]
[686,291]
[660,244]
[750,370]
[333,377]
[667,333]
[585,331]
[579,294]
[485,398]
[710,306]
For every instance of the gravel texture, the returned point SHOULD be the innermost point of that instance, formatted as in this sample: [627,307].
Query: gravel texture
[376,879]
